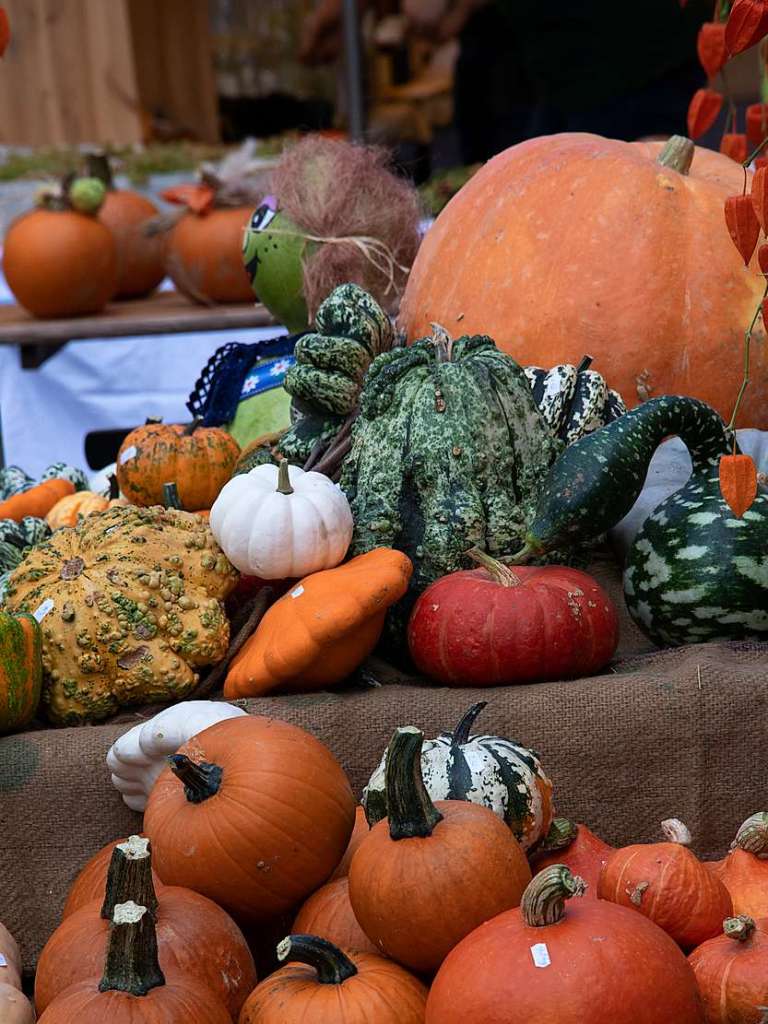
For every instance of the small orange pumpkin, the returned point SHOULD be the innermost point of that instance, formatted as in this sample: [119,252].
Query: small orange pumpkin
[37,501]
[204,257]
[584,853]
[744,872]
[329,914]
[732,972]
[668,884]
[359,832]
[69,509]
[322,629]
[199,459]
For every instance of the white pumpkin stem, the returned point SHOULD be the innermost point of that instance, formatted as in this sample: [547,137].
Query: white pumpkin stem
[739,928]
[544,899]
[676,832]
[753,836]
[501,573]
[283,478]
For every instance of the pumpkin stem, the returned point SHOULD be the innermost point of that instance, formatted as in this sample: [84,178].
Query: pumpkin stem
[332,966]
[411,812]
[152,419]
[130,877]
[527,553]
[114,488]
[171,497]
[443,343]
[562,833]
[753,836]
[739,928]
[283,478]
[461,732]
[677,154]
[192,427]
[586,362]
[201,781]
[676,832]
[544,899]
[131,963]
[500,573]
[99,167]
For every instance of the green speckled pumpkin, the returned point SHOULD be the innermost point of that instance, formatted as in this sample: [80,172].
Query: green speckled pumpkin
[448,453]
[21,670]
[130,606]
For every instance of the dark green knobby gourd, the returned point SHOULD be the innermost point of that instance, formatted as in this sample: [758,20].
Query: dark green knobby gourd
[695,571]
[448,453]
[351,329]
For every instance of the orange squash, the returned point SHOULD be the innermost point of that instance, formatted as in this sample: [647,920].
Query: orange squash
[668,884]
[359,832]
[576,847]
[744,872]
[37,501]
[69,509]
[204,258]
[732,972]
[572,243]
[199,459]
[329,914]
[322,629]
[140,255]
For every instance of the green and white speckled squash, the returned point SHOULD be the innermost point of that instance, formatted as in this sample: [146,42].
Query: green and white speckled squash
[695,571]
[487,770]
[63,471]
[574,400]
[448,453]
[13,480]
[16,538]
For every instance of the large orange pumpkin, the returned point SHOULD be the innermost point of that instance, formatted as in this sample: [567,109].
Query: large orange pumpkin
[205,255]
[140,255]
[573,244]
[266,808]
[60,263]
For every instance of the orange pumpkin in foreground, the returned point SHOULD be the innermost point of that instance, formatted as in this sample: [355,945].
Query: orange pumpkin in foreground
[573,243]
[744,872]
[204,258]
[732,972]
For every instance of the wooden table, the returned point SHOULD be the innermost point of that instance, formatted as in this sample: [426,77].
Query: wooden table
[162,313]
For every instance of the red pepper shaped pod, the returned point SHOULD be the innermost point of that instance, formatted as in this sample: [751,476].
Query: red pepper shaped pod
[743,225]
[5,31]
[198,198]
[738,482]
[734,145]
[747,24]
[759,196]
[703,109]
[762,262]
[757,123]
[711,48]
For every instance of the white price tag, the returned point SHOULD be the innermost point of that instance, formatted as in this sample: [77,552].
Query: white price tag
[129,453]
[297,592]
[43,609]
[540,955]
[3,961]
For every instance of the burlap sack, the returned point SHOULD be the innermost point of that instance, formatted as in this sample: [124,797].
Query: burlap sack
[675,733]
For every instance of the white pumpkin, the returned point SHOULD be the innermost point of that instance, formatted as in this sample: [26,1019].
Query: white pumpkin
[137,757]
[282,523]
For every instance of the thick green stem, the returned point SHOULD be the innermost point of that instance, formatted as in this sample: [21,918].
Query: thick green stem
[192,427]
[543,901]
[753,836]
[171,497]
[461,732]
[99,167]
[333,967]
[739,928]
[677,154]
[283,478]
[201,781]
[499,572]
[114,488]
[411,812]
[130,877]
[562,833]
[131,963]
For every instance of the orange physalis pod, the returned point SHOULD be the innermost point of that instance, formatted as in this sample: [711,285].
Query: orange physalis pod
[757,123]
[703,109]
[710,46]
[742,224]
[762,259]
[734,145]
[199,198]
[5,31]
[747,24]
[738,482]
[759,196]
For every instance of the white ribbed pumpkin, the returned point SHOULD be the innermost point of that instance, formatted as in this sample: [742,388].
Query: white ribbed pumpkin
[488,770]
[282,523]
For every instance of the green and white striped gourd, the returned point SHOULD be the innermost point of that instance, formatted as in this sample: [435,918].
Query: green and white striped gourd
[13,480]
[448,453]
[488,770]
[63,471]
[695,571]
[15,538]
[574,400]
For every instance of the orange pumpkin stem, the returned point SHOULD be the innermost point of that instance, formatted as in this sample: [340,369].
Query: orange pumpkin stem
[333,967]
[461,732]
[411,811]
[739,928]
[544,899]
[500,573]
[130,877]
[201,781]
[753,836]
[283,478]
[131,963]
[677,154]
[738,482]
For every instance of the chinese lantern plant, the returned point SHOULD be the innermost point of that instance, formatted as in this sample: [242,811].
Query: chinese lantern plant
[266,806]
[545,962]
[492,626]
[744,871]
[59,259]
[428,874]
[75,951]
[584,853]
[732,972]
[128,215]
[321,983]
[668,884]
[133,988]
